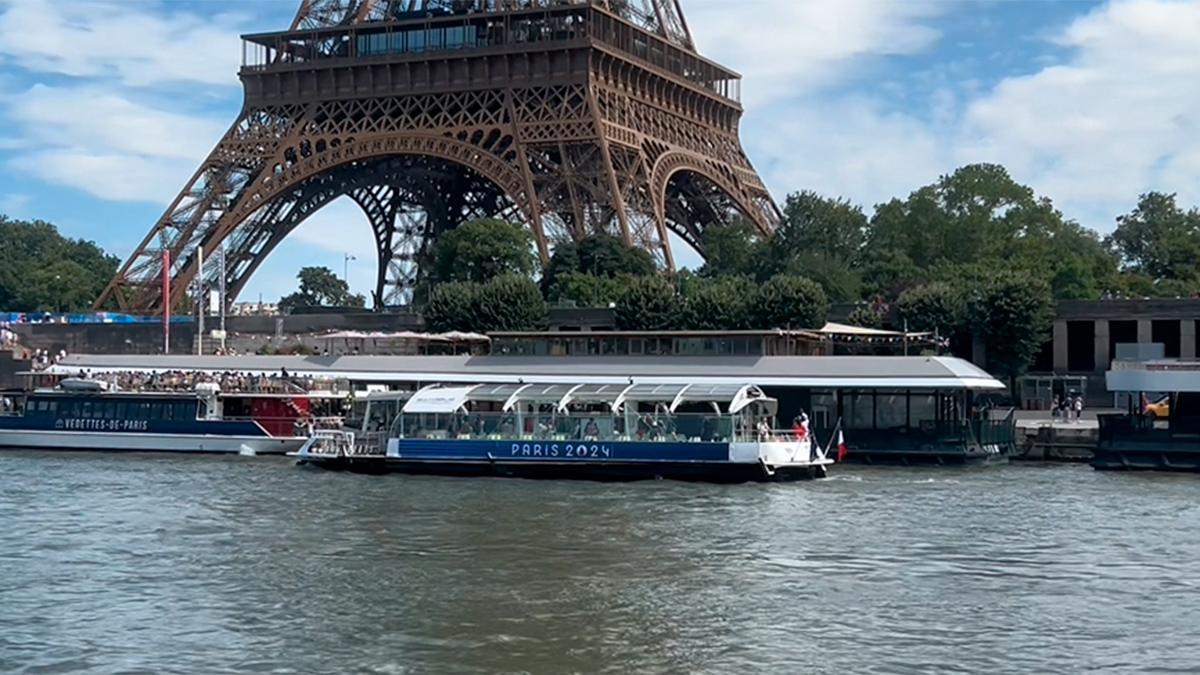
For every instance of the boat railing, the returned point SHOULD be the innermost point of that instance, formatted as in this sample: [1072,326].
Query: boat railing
[343,443]
[321,422]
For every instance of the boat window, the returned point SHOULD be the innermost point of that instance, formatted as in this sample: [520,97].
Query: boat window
[51,407]
[86,409]
[892,410]
[860,410]
[922,407]
[110,410]
[144,410]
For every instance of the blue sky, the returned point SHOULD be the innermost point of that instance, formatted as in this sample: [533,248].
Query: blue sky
[108,106]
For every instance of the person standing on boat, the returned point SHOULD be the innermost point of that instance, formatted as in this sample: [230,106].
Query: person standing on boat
[800,426]
[764,430]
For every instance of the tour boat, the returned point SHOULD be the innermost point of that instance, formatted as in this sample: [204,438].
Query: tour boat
[82,414]
[711,432]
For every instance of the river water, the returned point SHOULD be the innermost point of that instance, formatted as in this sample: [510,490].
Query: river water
[206,565]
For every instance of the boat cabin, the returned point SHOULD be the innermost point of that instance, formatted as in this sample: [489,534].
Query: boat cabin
[1165,437]
[697,413]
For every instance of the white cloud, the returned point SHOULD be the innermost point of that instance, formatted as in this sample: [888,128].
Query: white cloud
[847,147]
[52,115]
[109,176]
[121,40]
[785,47]
[1120,116]
[119,151]
[1117,114]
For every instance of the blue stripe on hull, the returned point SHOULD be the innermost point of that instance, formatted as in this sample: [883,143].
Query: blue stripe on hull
[151,427]
[561,451]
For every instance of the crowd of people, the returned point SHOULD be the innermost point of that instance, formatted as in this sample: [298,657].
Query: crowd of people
[182,380]
[43,359]
[1068,408]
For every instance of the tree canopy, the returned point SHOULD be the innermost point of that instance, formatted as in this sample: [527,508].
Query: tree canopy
[1012,314]
[979,217]
[320,287]
[648,303]
[480,250]
[509,302]
[936,307]
[1159,246]
[43,271]
[601,256]
[790,302]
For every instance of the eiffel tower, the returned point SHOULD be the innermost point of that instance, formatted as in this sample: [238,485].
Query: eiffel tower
[572,116]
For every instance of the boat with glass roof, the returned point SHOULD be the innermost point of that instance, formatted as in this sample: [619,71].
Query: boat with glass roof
[717,432]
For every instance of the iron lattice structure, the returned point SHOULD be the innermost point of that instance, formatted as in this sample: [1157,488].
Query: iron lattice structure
[574,116]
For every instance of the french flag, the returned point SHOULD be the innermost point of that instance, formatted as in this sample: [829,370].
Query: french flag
[842,450]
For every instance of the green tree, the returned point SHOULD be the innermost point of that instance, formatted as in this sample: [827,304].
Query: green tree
[787,301]
[648,303]
[1011,314]
[452,307]
[867,316]
[936,307]
[320,287]
[829,228]
[587,290]
[732,249]
[42,271]
[1159,239]
[510,302]
[718,304]
[980,216]
[480,250]
[888,273]
[599,255]
[841,281]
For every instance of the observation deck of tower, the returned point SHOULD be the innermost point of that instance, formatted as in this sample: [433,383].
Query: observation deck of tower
[573,117]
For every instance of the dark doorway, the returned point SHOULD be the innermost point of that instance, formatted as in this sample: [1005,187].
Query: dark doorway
[1081,346]
[1120,333]
[1044,361]
[1166,333]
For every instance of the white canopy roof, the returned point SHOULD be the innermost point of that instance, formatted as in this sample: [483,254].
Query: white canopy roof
[832,328]
[439,399]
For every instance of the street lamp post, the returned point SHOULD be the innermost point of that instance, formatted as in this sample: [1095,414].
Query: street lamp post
[346,258]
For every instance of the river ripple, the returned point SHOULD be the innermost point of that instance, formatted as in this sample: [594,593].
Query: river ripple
[207,565]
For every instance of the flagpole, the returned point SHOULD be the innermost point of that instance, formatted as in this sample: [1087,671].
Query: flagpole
[166,300]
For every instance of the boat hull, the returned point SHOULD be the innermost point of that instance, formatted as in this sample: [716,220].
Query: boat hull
[601,461]
[1169,457]
[707,472]
[147,442]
